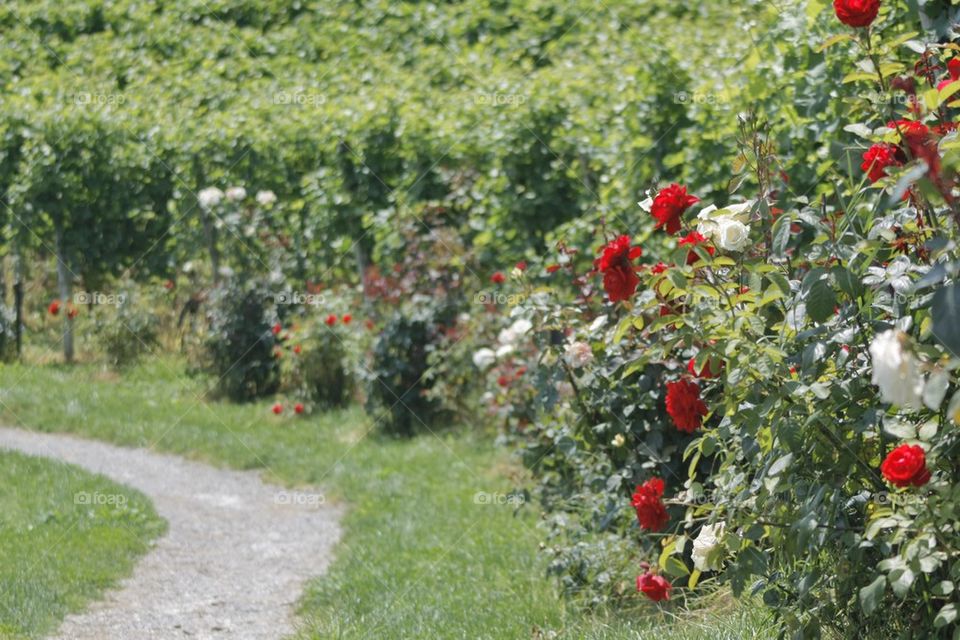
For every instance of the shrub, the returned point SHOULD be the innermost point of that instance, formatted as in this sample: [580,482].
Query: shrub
[240,348]
[127,333]
[397,383]
[321,371]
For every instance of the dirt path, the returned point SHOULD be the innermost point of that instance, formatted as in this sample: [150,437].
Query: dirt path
[233,562]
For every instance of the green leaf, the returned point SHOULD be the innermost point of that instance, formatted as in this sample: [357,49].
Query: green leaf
[946,616]
[945,311]
[821,300]
[872,594]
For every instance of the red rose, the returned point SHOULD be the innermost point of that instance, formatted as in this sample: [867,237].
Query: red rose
[912,131]
[651,514]
[620,284]
[522,265]
[654,586]
[669,205]
[277,409]
[498,278]
[877,158]
[953,67]
[347,318]
[706,372]
[685,406]
[856,13]
[906,465]
[331,320]
[695,239]
[276,329]
[54,308]
[503,381]
[72,312]
[169,285]
[553,268]
[615,262]
[298,408]
[297,349]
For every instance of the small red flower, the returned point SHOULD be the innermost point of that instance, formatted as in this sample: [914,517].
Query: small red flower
[912,131]
[54,308]
[297,349]
[522,265]
[72,312]
[347,318]
[659,268]
[503,381]
[669,205]
[277,409]
[553,268]
[685,406]
[520,372]
[706,372]
[877,158]
[498,278]
[654,586]
[953,67]
[298,408]
[695,239]
[331,320]
[616,263]
[277,353]
[276,329]
[169,285]
[646,499]
[905,466]
[856,13]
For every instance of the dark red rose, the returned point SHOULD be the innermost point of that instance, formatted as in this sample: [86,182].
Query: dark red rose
[503,381]
[856,13]
[669,205]
[685,406]
[54,308]
[877,158]
[522,265]
[277,409]
[347,318]
[331,320]
[297,349]
[654,586]
[553,268]
[276,329]
[298,408]
[498,278]
[616,264]
[651,514]
[905,466]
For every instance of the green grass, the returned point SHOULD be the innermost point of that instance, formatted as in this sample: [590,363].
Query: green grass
[419,558]
[57,553]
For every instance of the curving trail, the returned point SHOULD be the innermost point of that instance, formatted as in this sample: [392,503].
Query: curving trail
[233,562]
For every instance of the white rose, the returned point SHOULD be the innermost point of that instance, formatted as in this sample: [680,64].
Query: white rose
[266,198]
[514,332]
[209,197]
[896,371]
[236,194]
[483,358]
[731,234]
[578,354]
[704,558]
[504,351]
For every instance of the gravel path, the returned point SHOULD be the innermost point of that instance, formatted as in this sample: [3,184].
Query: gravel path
[233,562]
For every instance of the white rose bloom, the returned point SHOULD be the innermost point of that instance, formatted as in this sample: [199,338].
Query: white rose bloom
[514,332]
[731,234]
[578,354]
[266,198]
[704,545]
[896,371]
[646,205]
[209,197]
[236,194]
[504,351]
[483,358]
